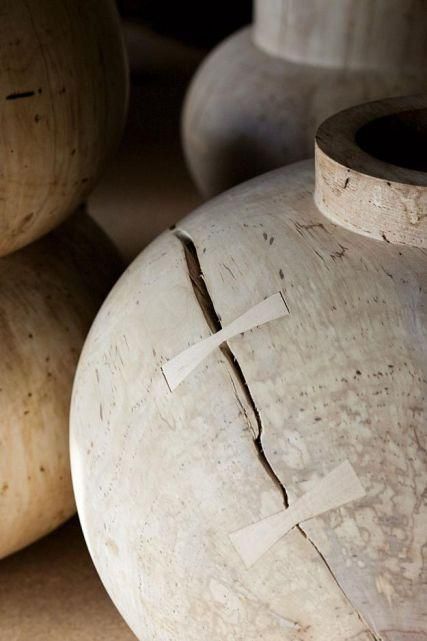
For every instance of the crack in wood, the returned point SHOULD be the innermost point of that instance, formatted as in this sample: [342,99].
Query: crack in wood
[214,322]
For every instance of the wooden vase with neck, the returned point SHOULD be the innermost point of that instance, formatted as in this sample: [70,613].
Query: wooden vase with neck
[257,100]
[165,474]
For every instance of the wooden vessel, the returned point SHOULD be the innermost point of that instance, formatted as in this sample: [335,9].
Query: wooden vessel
[63,81]
[49,294]
[255,103]
[320,410]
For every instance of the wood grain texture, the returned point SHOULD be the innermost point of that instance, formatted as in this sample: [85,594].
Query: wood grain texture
[49,294]
[248,111]
[63,83]
[361,34]
[365,193]
[161,479]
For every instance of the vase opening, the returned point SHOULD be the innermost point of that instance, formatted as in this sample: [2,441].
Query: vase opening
[371,169]
[399,139]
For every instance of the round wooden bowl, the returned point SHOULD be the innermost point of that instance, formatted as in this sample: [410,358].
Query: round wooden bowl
[63,82]
[49,294]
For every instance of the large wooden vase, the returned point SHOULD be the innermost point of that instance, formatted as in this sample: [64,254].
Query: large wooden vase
[255,103]
[49,295]
[63,82]
[321,410]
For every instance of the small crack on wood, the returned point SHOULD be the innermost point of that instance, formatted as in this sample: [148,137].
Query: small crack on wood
[214,322]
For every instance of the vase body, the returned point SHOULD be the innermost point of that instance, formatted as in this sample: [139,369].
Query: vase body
[49,294]
[64,86]
[257,100]
[162,478]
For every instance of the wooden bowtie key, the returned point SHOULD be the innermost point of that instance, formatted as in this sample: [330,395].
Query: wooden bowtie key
[333,491]
[337,488]
[179,367]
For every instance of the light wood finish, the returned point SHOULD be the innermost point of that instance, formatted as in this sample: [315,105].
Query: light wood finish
[50,592]
[162,479]
[256,102]
[179,367]
[49,294]
[356,34]
[389,203]
[339,487]
[63,82]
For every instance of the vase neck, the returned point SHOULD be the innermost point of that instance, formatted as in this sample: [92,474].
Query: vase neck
[368,34]
[371,170]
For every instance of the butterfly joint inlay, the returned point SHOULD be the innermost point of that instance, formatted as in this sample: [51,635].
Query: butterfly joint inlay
[337,488]
[179,367]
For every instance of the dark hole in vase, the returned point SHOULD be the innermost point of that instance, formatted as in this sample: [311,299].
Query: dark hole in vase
[399,139]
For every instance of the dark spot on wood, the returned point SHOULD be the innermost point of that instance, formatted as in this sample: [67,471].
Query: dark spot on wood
[19,95]
[264,235]
[347,180]
[27,218]
[37,118]
[340,253]
[30,335]
[300,228]
[281,274]
[271,240]
[41,468]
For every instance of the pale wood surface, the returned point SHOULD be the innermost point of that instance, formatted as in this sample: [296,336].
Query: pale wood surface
[337,488]
[161,479]
[179,367]
[248,111]
[49,294]
[51,592]
[368,34]
[389,203]
[63,82]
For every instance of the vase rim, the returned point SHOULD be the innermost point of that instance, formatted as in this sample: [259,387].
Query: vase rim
[371,169]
